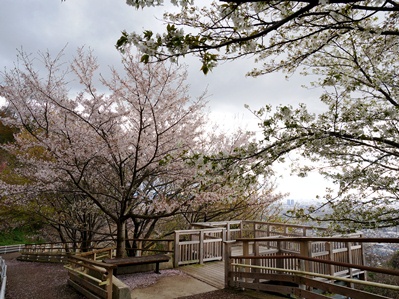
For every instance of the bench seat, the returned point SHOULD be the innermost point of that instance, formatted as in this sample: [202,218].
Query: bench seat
[139,260]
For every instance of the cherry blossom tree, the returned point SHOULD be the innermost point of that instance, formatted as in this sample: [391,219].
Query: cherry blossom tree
[351,46]
[355,142]
[132,147]
[250,201]
[224,188]
[71,218]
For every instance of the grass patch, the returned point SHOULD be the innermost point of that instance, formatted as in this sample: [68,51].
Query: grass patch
[16,236]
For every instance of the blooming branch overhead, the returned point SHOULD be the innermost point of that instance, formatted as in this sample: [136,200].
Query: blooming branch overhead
[278,34]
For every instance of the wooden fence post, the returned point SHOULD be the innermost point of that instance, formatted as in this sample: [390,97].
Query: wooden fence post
[139,250]
[350,271]
[176,257]
[201,247]
[305,251]
[224,239]
[364,275]
[227,263]
[330,248]
[257,262]
[245,251]
[109,283]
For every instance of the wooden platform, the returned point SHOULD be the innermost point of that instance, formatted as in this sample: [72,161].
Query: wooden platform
[211,273]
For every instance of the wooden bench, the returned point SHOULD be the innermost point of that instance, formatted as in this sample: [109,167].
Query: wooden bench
[139,260]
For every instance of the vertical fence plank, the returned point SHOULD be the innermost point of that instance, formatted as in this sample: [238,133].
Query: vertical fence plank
[201,247]
[177,250]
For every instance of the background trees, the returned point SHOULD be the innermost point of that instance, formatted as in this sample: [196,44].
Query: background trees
[132,149]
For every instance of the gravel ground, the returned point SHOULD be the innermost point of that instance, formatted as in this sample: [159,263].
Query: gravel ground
[142,280]
[27,280]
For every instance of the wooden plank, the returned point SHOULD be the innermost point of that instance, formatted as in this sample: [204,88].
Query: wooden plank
[86,266]
[342,290]
[138,260]
[83,274]
[281,289]
[284,278]
[311,295]
[88,285]
[210,273]
[82,290]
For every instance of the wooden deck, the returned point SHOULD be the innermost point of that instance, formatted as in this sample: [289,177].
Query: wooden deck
[211,273]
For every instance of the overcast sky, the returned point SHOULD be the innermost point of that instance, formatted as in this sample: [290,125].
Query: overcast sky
[41,25]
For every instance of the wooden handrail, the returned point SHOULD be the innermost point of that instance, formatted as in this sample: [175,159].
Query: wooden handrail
[96,251]
[105,270]
[321,239]
[71,258]
[356,266]
[300,272]
[310,256]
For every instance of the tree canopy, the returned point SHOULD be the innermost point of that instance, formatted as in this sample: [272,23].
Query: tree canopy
[351,46]
[133,146]
[278,34]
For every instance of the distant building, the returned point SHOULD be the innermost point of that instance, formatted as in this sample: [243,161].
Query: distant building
[290,202]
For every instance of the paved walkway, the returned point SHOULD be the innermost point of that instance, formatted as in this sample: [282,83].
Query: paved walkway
[170,287]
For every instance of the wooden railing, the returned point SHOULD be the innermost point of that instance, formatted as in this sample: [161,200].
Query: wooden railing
[262,252]
[57,251]
[198,246]
[298,266]
[201,244]
[144,246]
[233,228]
[89,277]
[256,229]
[204,242]
[98,254]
